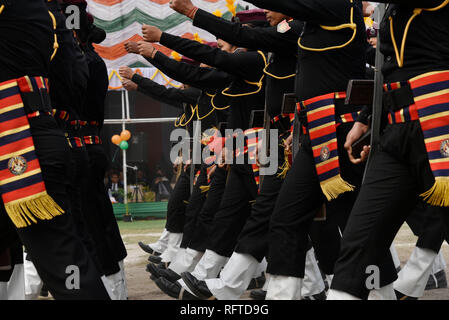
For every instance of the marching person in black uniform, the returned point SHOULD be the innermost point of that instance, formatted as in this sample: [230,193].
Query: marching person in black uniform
[281,38]
[413,158]
[283,65]
[330,56]
[38,155]
[98,212]
[208,79]
[246,92]
[211,179]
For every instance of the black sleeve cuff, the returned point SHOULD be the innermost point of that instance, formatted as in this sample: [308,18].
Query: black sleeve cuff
[137,78]
[166,39]
[364,115]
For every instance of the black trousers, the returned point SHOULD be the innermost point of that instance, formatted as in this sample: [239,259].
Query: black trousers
[78,202]
[397,174]
[235,208]
[202,235]
[54,245]
[253,239]
[193,209]
[296,206]
[326,235]
[97,168]
[177,204]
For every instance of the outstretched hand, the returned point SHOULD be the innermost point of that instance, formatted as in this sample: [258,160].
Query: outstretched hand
[151,33]
[129,85]
[131,47]
[146,49]
[126,72]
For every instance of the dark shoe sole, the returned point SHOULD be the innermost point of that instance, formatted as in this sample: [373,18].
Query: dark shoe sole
[256,295]
[195,291]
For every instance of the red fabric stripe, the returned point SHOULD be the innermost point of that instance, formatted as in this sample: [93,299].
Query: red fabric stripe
[7,82]
[349,117]
[435,123]
[327,167]
[32,165]
[397,117]
[322,132]
[10,101]
[413,112]
[23,85]
[443,98]
[390,119]
[440,166]
[39,83]
[430,79]
[321,114]
[315,99]
[433,146]
[394,86]
[14,123]
[18,145]
[24,192]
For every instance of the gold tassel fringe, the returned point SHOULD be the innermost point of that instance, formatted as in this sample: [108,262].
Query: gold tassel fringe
[335,186]
[204,188]
[438,195]
[285,166]
[24,213]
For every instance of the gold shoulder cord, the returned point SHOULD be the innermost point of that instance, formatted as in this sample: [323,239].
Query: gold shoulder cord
[416,12]
[277,77]
[55,43]
[350,25]
[259,84]
[208,114]
[214,106]
[178,123]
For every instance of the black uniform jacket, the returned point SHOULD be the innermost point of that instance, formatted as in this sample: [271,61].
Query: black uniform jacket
[247,68]
[427,45]
[69,72]
[184,99]
[211,81]
[97,86]
[283,45]
[328,71]
[26,40]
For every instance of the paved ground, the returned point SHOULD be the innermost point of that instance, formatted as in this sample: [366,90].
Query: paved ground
[140,286]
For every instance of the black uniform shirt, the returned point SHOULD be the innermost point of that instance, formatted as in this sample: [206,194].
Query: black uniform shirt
[171,96]
[245,66]
[427,45]
[282,44]
[328,71]
[69,71]
[26,40]
[97,86]
[184,99]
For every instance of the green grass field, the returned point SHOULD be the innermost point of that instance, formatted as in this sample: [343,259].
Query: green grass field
[141,230]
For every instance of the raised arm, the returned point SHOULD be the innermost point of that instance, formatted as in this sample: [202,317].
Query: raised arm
[242,64]
[331,12]
[268,39]
[414,3]
[159,92]
[199,77]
